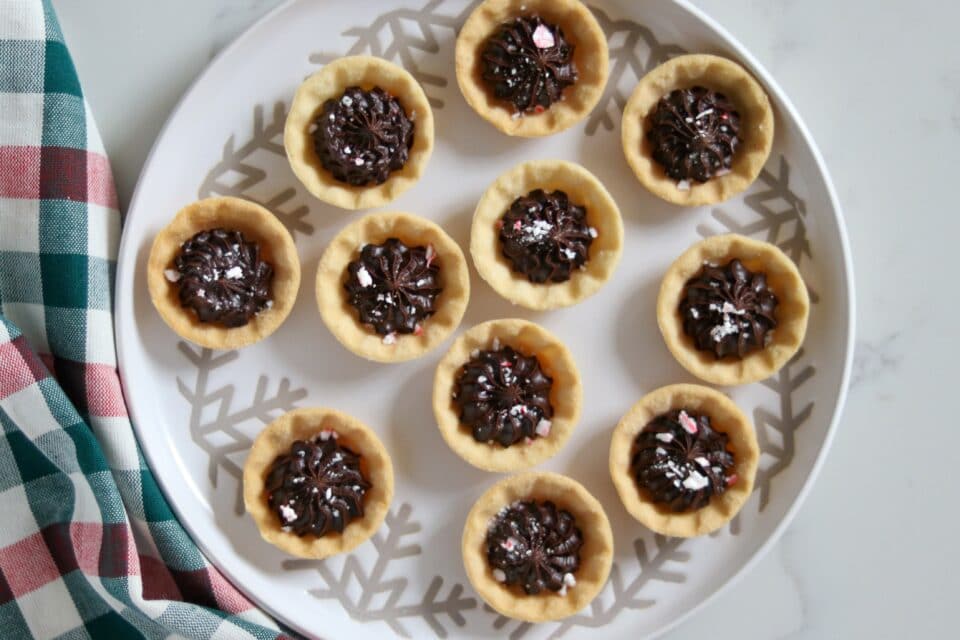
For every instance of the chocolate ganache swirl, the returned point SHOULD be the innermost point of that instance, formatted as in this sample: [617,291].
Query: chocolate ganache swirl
[363,136]
[317,488]
[680,461]
[535,545]
[545,236]
[728,310]
[694,134]
[528,62]
[394,287]
[222,277]
[504,396]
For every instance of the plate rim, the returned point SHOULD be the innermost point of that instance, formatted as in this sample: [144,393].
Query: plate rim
[745,57]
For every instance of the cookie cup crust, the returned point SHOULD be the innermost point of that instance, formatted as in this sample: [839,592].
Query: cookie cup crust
[596,555]
[566,394]
[590,55]
[342,318]
[792,313]
[257,224]
[303,424]
[584,189]
[330,82]
[721,75]
[725,417]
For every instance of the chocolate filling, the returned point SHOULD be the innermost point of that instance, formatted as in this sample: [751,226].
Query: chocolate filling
[694,134]
[363,136]
[680,461]
[535,545]
[222,277]
[504,397]
[394,287]
[545,236]
[728,310]
[317,487]
[528,63]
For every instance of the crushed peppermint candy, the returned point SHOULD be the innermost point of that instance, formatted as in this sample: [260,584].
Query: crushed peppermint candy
[703,462]
[288,514]
[543,427]
[390,338]
[431,254]
[326,434]
[689,424]
[509,544]
[543,38]
[695,481]
[665,437]
[683,185]
[364,277]
[499,575]
[593,232]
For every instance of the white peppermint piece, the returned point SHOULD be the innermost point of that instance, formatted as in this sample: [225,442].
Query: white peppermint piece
[543,427]
[569,580]
[390,338]
[347,100]
[509,544]
[431,253]
[665,437]
[268,304]
[695,481]
[358,161]
[570,254]
[683,185]
[288,514]
[729,308]
[364,277]
[593,232]
[721,331]
[234,273]
[329,493]
[172,275]
[542,37]
[703,462]
[496,344]
[326,434]
[499,575]
[660,451]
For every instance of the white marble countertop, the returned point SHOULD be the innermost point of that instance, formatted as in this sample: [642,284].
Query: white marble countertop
[872,552]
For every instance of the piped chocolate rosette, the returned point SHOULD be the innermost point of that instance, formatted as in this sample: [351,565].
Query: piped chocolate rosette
[536,546]
[528,63]
[221,277]
[694,134]
[728,310]
[503,396]
[394,287]
[681,461]
[545,236]
[317,487]
[362,136]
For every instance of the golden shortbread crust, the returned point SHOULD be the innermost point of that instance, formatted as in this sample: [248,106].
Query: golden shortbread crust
[596,555]
[566,394]
[330,82]
[721,75]
[590,56]
[304,424]
[783,278]
[725,417]
[256,224]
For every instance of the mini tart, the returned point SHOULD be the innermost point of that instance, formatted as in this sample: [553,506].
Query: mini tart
[727,418]
[584,189]
[257,224]
[596,555]
[792,310]
[566,394]
[590,57]
[305,424]
[721,75]
[330,82]
[342,318]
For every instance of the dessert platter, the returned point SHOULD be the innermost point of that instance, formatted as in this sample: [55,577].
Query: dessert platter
[499,318]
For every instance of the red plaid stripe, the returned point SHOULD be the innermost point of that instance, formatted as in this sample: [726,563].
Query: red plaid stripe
[27,565]
[100,188]
[19,367]
[23,181]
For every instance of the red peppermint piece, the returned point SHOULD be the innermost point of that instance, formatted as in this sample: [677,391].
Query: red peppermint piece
[539,108]
[732,479]
[689,424]
[517,225]
[418,330]
[431,254]
[543,38]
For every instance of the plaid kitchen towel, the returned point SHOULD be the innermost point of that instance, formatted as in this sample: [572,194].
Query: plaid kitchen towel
[89,547]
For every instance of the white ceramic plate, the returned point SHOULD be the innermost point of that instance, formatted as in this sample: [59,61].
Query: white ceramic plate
[196,411]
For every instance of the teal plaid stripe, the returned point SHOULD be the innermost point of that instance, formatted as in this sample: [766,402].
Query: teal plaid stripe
[108,557]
